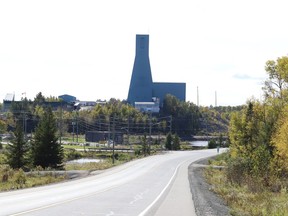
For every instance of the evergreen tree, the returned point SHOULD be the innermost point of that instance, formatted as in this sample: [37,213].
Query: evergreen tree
[221,141]
[46,151]
[176,142]
[17,150]
[39,99]
[168,143]
[212,144]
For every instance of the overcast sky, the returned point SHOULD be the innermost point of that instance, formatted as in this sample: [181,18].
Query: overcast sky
[87,48]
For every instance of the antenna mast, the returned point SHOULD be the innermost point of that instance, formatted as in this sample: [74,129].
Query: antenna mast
[215,98]
[197,96]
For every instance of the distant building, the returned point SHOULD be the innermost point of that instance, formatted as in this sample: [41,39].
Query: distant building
[67,98]
[97,136]
[88,105]
[65,104]
[147,107]
[142,88]
[9,98]
[161,89]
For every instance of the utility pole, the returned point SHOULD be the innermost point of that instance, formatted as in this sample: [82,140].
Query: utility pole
[60,139]
[113,137]
[128,136]
[215,98]
[128,132]
[109,132]
[24,124]
[77,126]
[100,128]
[197,96]
[150,131]
[73,125]
[170,121]
[25,116]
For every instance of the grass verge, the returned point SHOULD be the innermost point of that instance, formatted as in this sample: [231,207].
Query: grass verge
[92,166]
[18,179]
[12,179]
[247,199]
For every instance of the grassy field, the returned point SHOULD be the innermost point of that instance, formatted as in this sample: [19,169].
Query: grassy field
[249,199]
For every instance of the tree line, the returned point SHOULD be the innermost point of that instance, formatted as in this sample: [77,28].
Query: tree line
[178,120]
[258,133]
[43,150]
[178,117]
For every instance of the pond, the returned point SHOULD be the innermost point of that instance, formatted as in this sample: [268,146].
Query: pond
[199,143]
[85,160]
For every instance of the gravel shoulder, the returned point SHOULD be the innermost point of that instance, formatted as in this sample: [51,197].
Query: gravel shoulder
[206,202]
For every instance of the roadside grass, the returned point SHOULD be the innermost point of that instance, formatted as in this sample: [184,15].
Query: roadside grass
[18,179]
[92,166]
[186,146]
[251,198]
[12,179]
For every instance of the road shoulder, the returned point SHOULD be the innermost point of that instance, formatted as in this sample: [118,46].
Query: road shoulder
[178,200]
[206,202]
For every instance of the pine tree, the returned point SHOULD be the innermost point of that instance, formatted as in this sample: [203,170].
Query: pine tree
[168,143]
[17,150]
[176,142]
[46,151]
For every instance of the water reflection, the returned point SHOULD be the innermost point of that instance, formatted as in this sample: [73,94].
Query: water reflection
[84,160]
[199,143]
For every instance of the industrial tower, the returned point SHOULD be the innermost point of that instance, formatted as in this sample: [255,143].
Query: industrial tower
[142,88]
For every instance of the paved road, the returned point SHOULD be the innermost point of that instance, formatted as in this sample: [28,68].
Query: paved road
[151,186]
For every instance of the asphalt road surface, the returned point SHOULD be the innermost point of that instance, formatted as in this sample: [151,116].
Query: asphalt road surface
[156,185]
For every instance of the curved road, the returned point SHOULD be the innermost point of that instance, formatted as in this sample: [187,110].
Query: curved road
[156,185]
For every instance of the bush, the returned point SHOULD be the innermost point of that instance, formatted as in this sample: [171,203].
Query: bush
[212,144]
[72,154]
[122,156]
[137,151]
[20,178]
[237,170]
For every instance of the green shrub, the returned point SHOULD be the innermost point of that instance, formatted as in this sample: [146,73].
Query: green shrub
[237,170]
[20,178]
[122,156]
[72,154]
[212,144]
